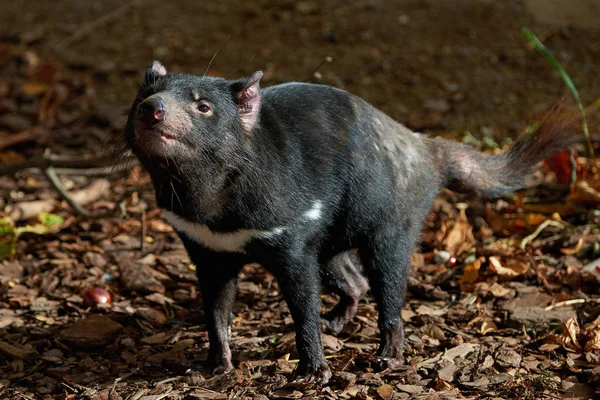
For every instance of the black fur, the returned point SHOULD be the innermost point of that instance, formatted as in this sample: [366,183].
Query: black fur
[375,181]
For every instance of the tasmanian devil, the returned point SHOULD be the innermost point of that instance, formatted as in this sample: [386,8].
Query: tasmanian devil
[298,178]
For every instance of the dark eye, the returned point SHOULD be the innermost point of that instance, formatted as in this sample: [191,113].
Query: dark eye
[203,108]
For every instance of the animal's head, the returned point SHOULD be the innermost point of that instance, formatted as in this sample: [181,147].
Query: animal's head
[185,119]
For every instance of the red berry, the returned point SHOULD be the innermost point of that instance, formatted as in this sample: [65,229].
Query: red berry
[96,296]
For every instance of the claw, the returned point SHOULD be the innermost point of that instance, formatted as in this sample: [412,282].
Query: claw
[390,362]
[220,365]
[321,376]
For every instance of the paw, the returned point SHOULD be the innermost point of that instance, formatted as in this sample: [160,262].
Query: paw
[320,375]
[384,363]
[220,366]
[222,369]
[333,325]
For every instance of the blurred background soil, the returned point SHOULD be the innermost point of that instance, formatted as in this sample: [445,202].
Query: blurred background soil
[441,65]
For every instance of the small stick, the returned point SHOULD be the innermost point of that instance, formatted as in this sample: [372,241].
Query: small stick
[24,396]
[174,379]
[18,138]
[114,387]
[564,303]
[98,171]
[55,181]
[539,229]
[57,161]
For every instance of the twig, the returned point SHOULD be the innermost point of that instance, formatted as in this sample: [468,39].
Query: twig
[564,303]
[97,171]
[55,181]
[539,229]
[114,387]
[24,396]
[54,160]
[17,138]
[97,24]
[173,379]
[68,386]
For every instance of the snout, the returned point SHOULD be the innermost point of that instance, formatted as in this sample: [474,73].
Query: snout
[152,111]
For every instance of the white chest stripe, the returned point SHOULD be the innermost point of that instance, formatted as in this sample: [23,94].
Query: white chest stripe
[232,242]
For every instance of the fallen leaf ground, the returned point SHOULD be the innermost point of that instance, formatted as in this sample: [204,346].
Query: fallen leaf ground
[503,298]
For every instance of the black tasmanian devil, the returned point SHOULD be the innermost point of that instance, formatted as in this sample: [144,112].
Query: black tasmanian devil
[298,178]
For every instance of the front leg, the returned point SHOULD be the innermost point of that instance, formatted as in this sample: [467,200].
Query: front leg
[217,278]
[298,278]
[218,287]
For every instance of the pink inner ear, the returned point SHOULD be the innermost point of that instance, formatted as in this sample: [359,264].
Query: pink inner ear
[250,101]
[159,68]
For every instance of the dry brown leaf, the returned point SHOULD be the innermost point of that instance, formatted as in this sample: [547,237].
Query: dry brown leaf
[434,331]
[470,275]
[584,193]
[508,269]
[574,249]
[498,290]
[487,326]
[593,341]
[331,342]
[385,391]
[510,223]
[460,237]
[570,332]
[442,385]
[506,244]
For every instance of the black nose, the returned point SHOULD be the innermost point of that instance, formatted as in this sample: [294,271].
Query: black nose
[152,110]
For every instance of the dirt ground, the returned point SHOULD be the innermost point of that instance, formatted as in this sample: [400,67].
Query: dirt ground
[486,317]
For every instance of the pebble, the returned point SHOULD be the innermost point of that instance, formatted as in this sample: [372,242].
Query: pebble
[93,331]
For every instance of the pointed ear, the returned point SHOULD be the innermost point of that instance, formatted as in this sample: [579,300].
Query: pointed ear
[247,95]
[155,71]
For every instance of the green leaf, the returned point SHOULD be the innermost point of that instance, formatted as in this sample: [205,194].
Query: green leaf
[38,229]
[9,233]
[49,219]
[8,238]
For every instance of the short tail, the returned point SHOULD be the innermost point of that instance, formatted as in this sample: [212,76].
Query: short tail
[466,170]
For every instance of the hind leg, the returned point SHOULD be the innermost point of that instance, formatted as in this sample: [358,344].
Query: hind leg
[343,276]
[386,259]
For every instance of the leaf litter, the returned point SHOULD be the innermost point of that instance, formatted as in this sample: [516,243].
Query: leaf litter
[503,299]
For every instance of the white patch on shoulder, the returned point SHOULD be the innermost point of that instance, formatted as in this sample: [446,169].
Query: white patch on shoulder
[233,242]
[315,212]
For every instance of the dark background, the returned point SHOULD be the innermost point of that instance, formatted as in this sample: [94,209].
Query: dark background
[443,65]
